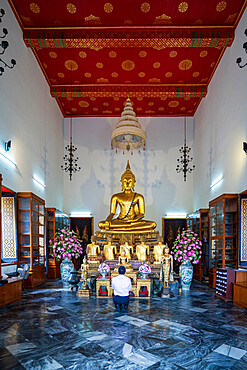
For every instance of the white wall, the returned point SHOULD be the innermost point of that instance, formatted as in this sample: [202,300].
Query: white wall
[31,119]
[155,170]
[221,128]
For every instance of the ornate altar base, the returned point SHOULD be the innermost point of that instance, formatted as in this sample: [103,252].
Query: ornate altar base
[134,238]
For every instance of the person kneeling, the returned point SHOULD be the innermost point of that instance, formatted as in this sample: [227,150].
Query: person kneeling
[121,286]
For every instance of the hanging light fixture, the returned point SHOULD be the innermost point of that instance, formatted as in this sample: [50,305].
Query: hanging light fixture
[4,45]
[185,159]
[128,134]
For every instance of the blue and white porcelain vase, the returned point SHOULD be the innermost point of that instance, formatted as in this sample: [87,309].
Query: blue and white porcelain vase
[65,268]
[186,273]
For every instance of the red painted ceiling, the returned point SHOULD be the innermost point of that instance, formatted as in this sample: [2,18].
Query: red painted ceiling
[160,53]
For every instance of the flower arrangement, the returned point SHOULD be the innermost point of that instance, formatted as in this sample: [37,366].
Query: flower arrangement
[145,268]
[104,268]
[187,246]
[66,244]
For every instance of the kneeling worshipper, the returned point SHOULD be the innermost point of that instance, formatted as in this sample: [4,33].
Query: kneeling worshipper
[121,286]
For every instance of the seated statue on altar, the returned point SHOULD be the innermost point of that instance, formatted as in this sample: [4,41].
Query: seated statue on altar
[128,249]
[132,209]
[166,270]
[158,250]
[93,249]
[123,260]
[142,250]
[109,249]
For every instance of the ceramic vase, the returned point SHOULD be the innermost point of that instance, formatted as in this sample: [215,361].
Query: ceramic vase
[186,271]
[144,275]
[65,268]
[103,274]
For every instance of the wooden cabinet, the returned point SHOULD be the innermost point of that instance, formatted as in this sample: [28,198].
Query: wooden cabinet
[224,280]
[55,220]
[222,234]
[11,292]
[31,241]
[240,289]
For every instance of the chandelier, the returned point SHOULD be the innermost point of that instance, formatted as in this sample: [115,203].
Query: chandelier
[70,160]
[128,134]
[4,45]
[185,159]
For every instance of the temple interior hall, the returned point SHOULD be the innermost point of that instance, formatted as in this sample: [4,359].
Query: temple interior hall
[123,144]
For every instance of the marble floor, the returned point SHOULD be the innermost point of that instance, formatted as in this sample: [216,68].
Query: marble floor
[53,329]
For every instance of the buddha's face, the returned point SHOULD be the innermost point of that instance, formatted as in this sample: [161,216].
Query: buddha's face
[166,250]
[128,183]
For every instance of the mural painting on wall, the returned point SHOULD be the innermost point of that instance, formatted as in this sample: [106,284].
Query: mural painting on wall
[84,229]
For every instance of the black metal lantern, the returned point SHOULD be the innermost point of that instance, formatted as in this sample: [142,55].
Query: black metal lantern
[185,159]
[3,46]
[239,60]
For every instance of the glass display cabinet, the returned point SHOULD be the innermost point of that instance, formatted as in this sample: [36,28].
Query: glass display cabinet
[223,213]
[31,237]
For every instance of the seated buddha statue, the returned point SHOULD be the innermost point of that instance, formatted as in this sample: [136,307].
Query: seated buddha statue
[109,249]
[158,250]
[128,249]
[142,250]
[123,260]
[93,249]
[132,209]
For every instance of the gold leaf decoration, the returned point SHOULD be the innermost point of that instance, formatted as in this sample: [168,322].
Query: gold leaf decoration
[127,22]
[116,98]
[107,112]
[154,81]
[45,65]
[185,64]
[163,97]
[142,54]
[82,54]
[71,65]
[183,108]
[61,75]
[204,80]
[173,103]
[69,98]
[99,65]
[231,18]
[83,104]
[26,19]
[212,64]
[145,7]
[34,8]
[161,108]
[114,74]
[117,109]
[141,74]
[149,112]
[106,104]
[163,19]
[198,21]
[102,80]
[108,7]
[95,109]
[139,109]
[173,54]
[128,65]
[87,74]
[140,98]
[186,98]
[221,6]
[168,74]
[74,109]
[112,54]
[151,103]
[195,74]
[183,7]
[156,65]
[92,20]
[52,54]
[92,98]
[71,8]
[203,53]
[53,80]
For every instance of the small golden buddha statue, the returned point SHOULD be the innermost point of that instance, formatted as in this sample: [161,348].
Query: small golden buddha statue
[109,249]
[166,270]
[132,209]
[142,250]
[128,249]
[123,260]
[158,250]
[84,271]
[93,249]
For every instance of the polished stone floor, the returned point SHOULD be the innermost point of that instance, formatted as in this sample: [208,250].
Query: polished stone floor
[53,329]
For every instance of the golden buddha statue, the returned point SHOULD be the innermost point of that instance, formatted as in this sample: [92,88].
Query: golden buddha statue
[84,271]
[132,209]
[123,260]
[142,250]
[158,250]
[93,249]
[166,270]
[128,249]
[109,249]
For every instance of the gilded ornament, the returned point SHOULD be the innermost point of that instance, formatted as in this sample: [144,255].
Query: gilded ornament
[186,97]
[141,74]
[45,65]
[154,81]
[173,54]
[34,8]
[116,98]
[127,22]
[114,74]
[168,74]
[231,18]
[71,65]
[145,7]
[74,109]
[183,108]
[95,109]
[52,54]
[26,19]
[108,7]
[139,109]
[87,74]
[102,80]
[221,6]
[203,53]
[71,8]
[61,75]
[151,103]
[92,20]
[161,108]
[106,104]
[92,98]
[128,65]
[185,64]
[117,109]
[195,74]
[183,7]
[163,97]
[69,98]
[173,103]
[83,104]
[142,54]
[107,112]
[112,54]
[198,21]
[163,19]
[53,80]
[150,112]
[156,65]
[140,98]
[212,64]
[99,65]
[82,54]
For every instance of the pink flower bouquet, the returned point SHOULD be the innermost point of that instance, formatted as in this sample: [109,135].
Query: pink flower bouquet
[187,246]
[104,268]
[145,268]
[66,244]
